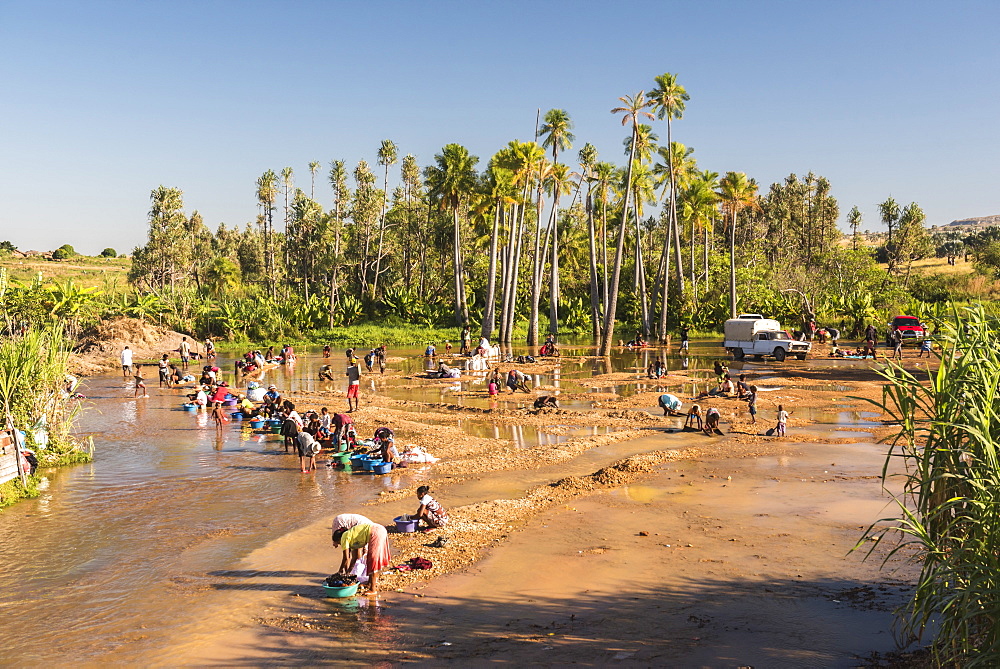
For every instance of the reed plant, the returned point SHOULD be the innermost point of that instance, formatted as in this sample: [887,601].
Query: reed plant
[33,380]
[949,508]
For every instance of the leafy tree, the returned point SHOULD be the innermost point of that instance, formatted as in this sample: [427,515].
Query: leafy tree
[7,246]
[222,277]
[450,180]
[166,254]
[109,253]
[60,254]
[737,193]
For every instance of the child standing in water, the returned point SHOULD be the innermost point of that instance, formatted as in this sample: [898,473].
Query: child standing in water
[218,415]
[139,385]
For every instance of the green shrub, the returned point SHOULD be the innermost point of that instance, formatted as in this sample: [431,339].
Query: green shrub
[109,253]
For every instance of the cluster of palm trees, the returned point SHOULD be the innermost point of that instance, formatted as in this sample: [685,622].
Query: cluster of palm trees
[490,242]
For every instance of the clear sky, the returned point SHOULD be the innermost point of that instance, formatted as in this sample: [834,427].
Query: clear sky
[100,102]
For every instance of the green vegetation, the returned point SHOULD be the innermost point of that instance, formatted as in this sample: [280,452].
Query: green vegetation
[520,243]
[949,428]
[14,490]
[109,253]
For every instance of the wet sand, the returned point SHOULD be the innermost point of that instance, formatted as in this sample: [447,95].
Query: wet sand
[701,552]
[532,571]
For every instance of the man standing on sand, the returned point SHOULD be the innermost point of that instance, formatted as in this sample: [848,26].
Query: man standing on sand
[185,350]
[126,362]
[353,384]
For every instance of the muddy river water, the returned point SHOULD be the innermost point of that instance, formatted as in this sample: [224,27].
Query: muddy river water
[91,566]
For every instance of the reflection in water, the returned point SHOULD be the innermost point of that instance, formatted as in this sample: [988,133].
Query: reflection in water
[129,539]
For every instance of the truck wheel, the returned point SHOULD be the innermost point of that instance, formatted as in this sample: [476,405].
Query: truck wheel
[738,353]
[779,354]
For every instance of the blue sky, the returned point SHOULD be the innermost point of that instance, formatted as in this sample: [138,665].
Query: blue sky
[104,101]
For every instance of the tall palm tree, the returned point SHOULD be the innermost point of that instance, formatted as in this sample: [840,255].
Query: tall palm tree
[502,191]
[604,174]
[451,180]
[677,163]
[337,177]
[642,192]
[543,170]
[854,221]
[523,159]
[313,169]
[557,134]
[670,100]
[633,108]
[737,192]
[588,161]
[387,156]
[698,202]
[267,195]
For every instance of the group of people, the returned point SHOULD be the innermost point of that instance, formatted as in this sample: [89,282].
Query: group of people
[365,543]
[254,361]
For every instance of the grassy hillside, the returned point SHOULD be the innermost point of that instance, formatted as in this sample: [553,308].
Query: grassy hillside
[85,271]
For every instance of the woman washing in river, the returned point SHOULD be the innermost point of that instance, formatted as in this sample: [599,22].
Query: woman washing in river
[430,510]
[362,541]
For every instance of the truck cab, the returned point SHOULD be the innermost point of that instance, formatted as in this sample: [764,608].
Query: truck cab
[752,334]
[909,327]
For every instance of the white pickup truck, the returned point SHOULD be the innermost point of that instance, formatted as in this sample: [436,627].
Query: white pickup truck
[752,334]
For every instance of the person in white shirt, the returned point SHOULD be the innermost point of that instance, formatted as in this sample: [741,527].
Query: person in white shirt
[126,362]
[782,421]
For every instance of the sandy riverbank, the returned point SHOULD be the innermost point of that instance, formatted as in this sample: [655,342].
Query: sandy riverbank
[566,570]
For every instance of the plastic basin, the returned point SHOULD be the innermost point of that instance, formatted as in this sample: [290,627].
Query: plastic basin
[229,403]
[405,526]
[346,591]
[342,458]
[382,468]
[368,464]
[236,416]
[257,424]
[190,407]
[275,429]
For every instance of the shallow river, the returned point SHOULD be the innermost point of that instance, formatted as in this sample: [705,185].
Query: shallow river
[83,566]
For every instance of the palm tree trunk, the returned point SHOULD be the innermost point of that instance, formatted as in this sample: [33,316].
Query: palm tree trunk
[607,336]
[694,280]
[489,309]
[595,298]
[512,311]
[732,267]
[457,261]
[536,274]
[665,295]
[673,212]
[554,265]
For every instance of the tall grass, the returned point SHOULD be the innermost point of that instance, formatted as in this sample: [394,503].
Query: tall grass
[33,368]
[949,510]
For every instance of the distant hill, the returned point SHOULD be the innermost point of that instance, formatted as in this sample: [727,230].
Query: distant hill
[977,222]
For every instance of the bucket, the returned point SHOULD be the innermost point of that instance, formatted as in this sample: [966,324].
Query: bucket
[382,467]
[190,406]
[342,458]
[347,591]
[257,424]
[275,429]
[237,416]
[405,525]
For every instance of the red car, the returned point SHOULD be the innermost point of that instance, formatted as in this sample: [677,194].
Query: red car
[909,327]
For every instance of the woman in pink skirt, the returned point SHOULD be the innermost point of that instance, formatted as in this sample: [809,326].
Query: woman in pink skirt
[362,539]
